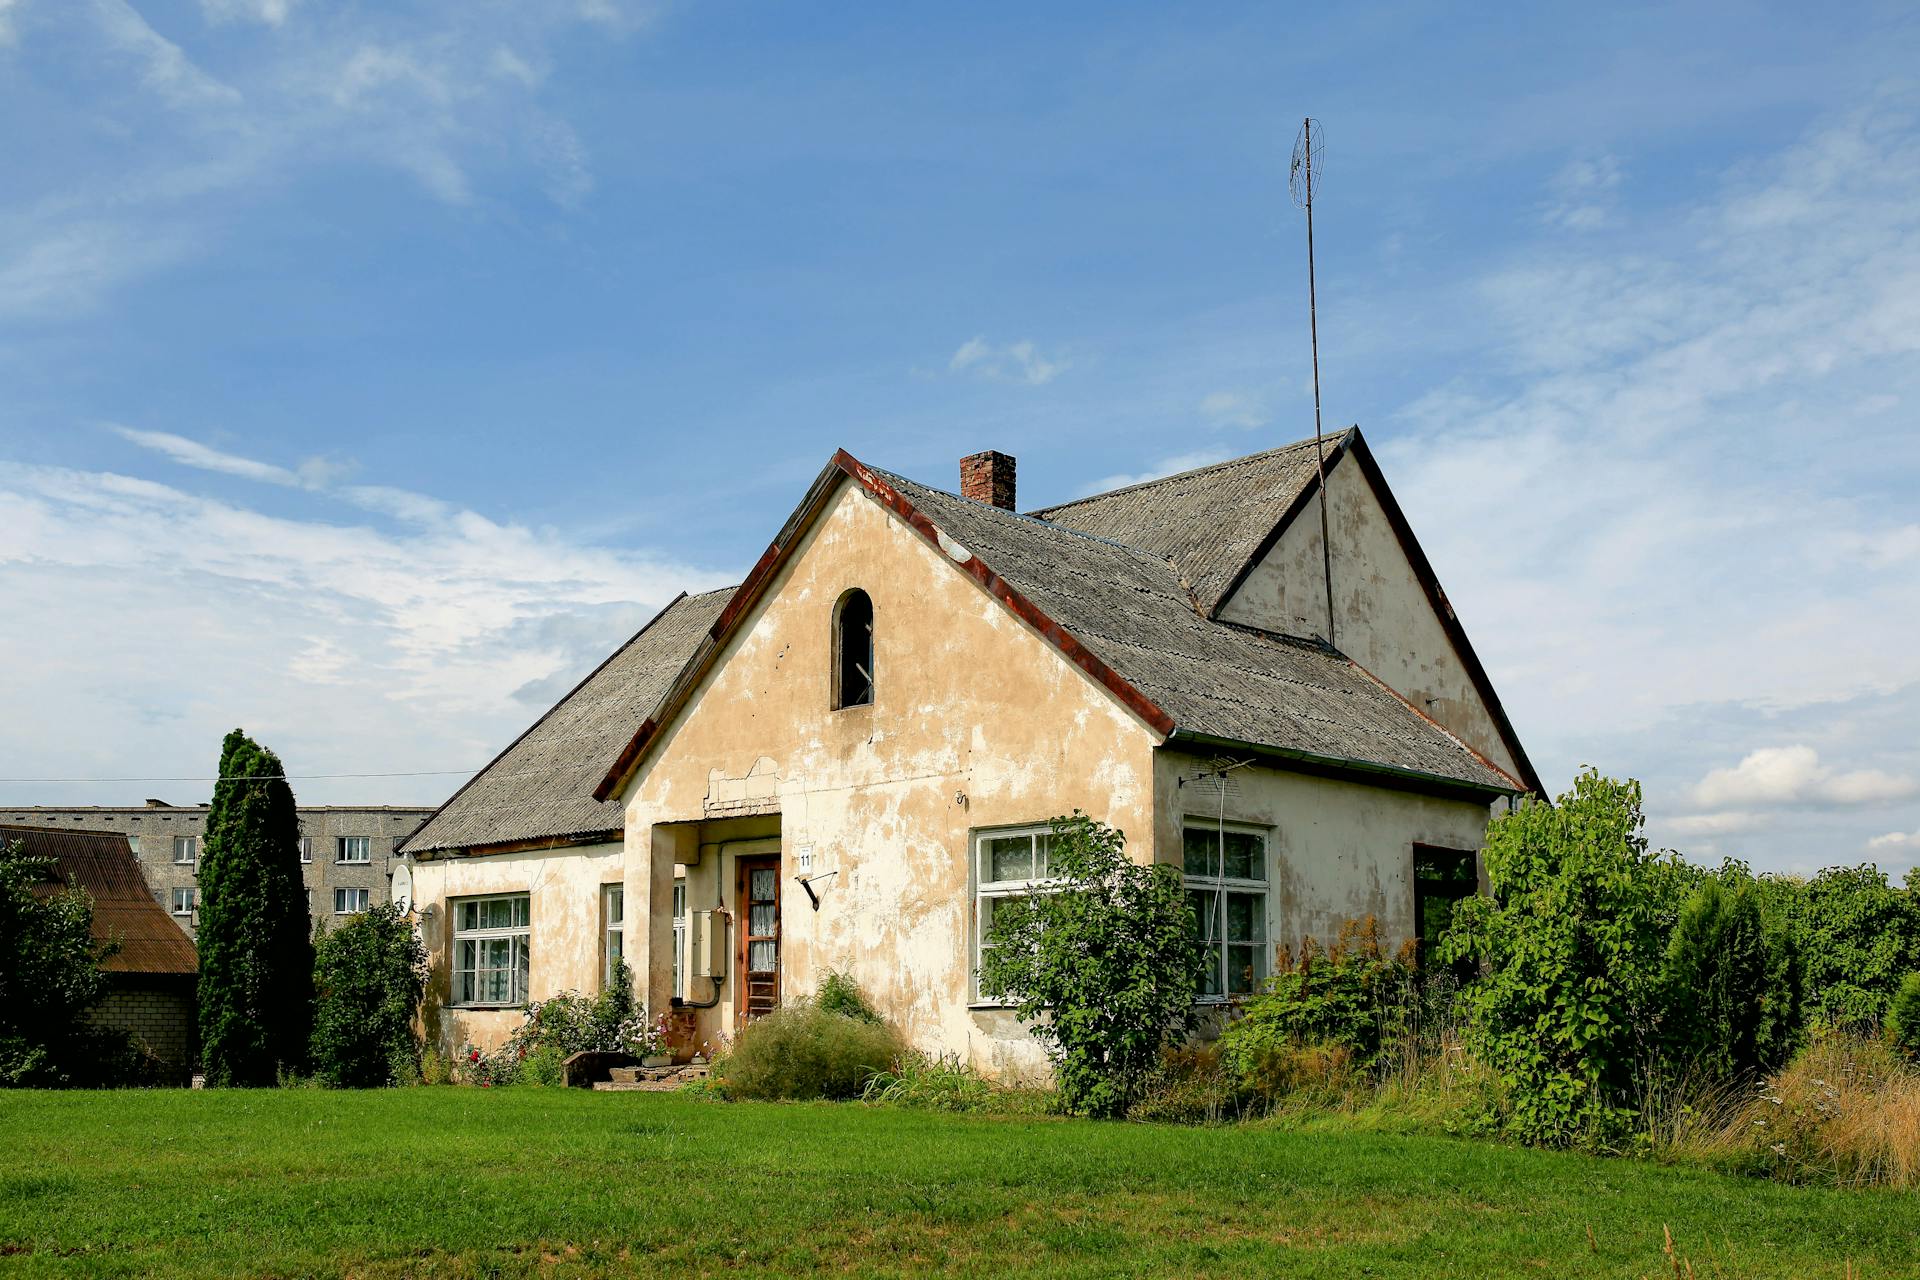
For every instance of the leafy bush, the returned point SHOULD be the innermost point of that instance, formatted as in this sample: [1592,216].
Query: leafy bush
[1858,937]
[1353,997]
[1103,971]
[369,975]
[1731,1002]
[1573,941]
[840,994]
[49,977]
[1903,1017]
[804,1052]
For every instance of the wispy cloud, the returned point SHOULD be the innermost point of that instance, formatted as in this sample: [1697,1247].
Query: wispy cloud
[1775,776]
[1235,409]
[1896,842]
[1581,196]
[272,13]
[1012,362]
[1173,466]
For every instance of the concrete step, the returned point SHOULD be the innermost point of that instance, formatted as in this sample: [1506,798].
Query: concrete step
[652,1077]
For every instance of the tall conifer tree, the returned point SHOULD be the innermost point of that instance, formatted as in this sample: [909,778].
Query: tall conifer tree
[256,958]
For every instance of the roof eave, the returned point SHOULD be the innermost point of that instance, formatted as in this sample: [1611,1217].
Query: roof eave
[1364,771]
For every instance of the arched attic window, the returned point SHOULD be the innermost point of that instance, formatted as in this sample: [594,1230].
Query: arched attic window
[853,650]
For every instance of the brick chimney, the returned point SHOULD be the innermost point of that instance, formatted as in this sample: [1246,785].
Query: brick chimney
[988,477]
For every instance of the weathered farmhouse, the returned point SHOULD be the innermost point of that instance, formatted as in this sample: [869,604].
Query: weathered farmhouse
[847,760]
[153,973]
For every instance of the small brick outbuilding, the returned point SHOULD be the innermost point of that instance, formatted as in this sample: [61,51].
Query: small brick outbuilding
[154,974]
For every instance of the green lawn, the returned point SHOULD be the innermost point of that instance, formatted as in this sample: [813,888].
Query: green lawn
[465,1182]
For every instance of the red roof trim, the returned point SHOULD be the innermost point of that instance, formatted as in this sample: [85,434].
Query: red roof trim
[776,556]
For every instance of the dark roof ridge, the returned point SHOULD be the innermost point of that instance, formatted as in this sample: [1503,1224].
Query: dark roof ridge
[1330,439]
[1022,515]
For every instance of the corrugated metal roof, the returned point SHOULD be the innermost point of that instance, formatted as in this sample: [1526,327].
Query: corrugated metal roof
[1210,522]
[124,910]
[541,787]
[1130,608]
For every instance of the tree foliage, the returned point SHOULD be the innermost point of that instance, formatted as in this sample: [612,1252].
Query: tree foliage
[256,960]
[1732,1001]
[49,977]
[369,975]
[1572,941]
[1858,938]
[1103,971]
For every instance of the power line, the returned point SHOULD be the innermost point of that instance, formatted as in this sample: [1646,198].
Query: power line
[264,777]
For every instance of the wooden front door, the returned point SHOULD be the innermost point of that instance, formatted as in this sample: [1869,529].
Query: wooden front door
[759,956]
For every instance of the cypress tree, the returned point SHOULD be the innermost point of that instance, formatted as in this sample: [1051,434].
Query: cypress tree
[256,959]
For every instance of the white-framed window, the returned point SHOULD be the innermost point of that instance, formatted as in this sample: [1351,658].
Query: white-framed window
[1009,863]
[306,848]
[613,910]
[679,934]
[181,904]
[490,937]
[186,850]
[133,843]
[349,902]
[1226,874]
[356,849]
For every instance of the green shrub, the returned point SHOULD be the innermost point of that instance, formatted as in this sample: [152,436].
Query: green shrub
[1191,1086]
[1353,995]
[1572,942]
[840,994]
[369,975]
[1858,937]
[1903,1017]
[1730,1001]
[804,1052]
[49,977]
[1103,971]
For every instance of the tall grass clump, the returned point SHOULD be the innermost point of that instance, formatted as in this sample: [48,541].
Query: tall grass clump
[924,1082]
[804,1052]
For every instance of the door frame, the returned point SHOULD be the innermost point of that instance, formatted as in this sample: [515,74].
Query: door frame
[744,866]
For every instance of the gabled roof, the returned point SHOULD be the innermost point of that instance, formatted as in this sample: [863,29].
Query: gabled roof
[1125,617]
[540,789]
[1214,523]
[101,864]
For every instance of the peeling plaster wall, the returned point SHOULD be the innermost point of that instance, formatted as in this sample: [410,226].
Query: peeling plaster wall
[977,723]
[1382,617]
[564,944]
[1338,851]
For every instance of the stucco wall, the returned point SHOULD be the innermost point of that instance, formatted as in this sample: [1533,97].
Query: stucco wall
[976,723]
[563,888]
[1382,617]
[1338,851]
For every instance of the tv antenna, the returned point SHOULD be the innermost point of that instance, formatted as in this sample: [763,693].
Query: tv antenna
[1308,152]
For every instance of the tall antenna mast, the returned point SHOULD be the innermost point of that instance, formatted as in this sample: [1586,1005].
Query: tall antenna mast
[1306,157]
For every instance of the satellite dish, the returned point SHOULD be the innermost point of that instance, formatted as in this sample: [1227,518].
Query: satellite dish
[403,888]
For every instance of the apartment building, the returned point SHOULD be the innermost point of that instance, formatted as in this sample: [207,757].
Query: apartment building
[346,851]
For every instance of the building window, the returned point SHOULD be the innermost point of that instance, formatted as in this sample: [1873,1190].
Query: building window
[613,909]
[182,904]
[1441,879]
[186,850]
[133,843]
[853,650]
[306,848]
[1008,864]
[356,849]
[679,934]
[490,937]
[348,902]
[1226,873]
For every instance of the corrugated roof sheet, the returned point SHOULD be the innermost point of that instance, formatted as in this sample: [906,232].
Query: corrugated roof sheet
[1209,522]
[541,787]
[1129,607]
[102,864]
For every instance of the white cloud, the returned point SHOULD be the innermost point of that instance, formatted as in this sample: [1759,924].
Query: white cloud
[165,66]
[1014,362]
[1581,194]
[350,647]
[1173,466]
[1717,824]
[1896,840]
[271,13]
[191,453]
[1234,409]
[1775,776]
[7,34]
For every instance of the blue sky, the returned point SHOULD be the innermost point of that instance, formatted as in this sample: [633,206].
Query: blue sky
[368,371]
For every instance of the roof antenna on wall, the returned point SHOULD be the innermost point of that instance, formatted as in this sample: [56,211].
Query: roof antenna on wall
[1307,151]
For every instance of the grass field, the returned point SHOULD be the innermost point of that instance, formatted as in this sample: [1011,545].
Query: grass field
[464,1182]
